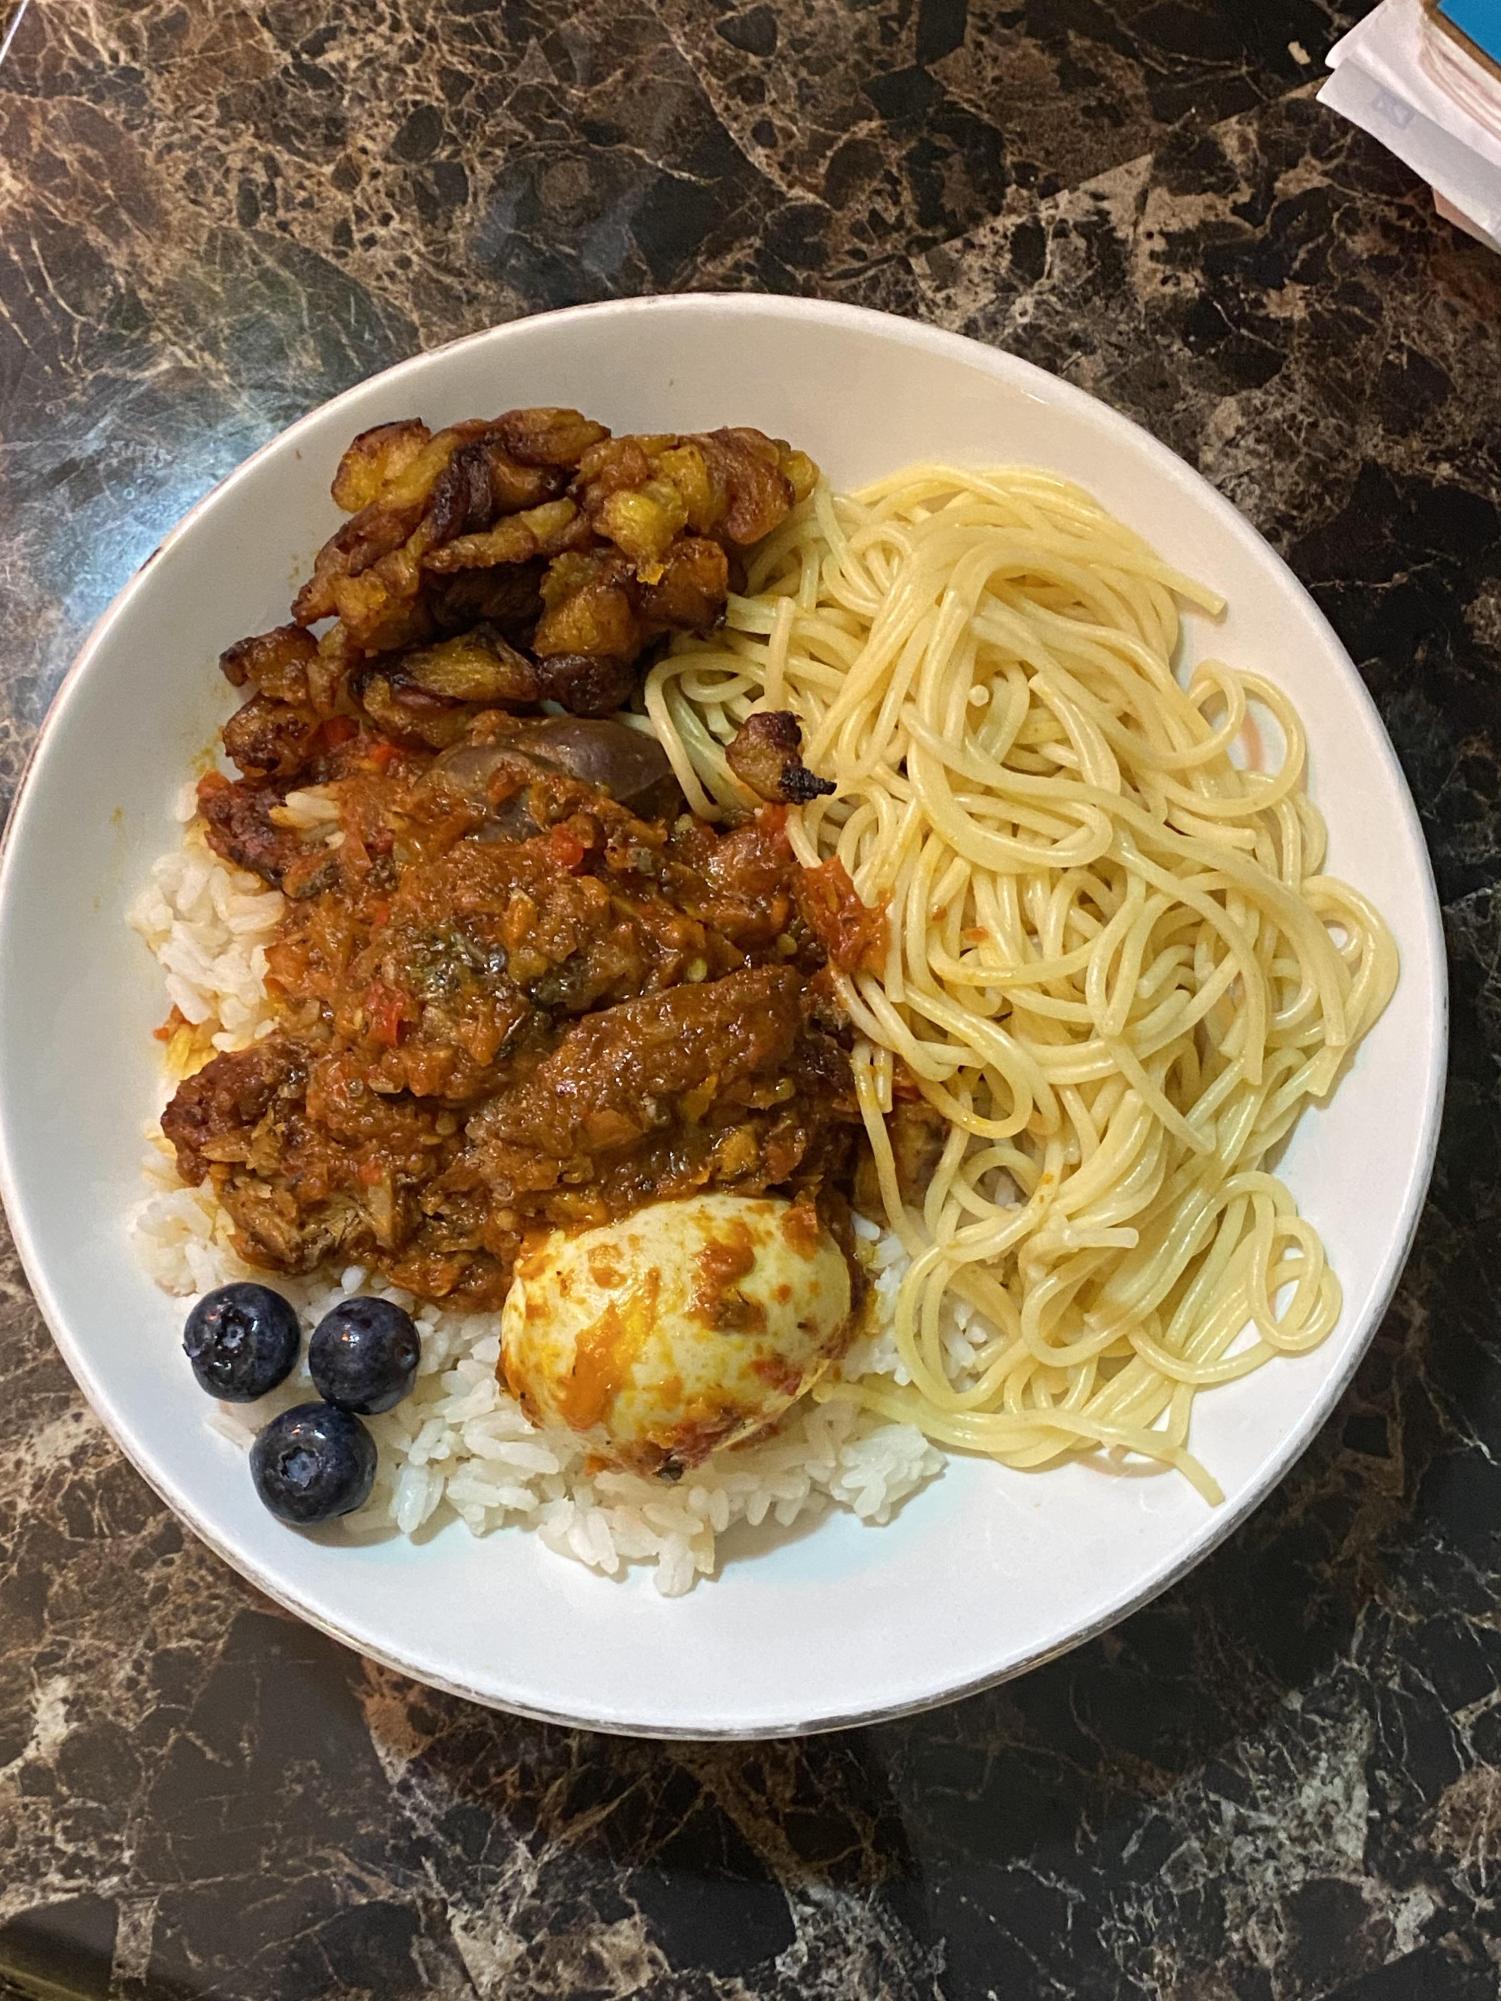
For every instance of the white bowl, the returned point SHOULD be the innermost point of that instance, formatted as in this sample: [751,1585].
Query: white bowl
[984,1573]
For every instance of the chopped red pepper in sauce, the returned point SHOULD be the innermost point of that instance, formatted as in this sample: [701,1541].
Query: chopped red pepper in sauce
[852,932]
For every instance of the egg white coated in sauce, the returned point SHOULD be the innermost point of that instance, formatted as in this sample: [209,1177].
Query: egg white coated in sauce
[689,1325]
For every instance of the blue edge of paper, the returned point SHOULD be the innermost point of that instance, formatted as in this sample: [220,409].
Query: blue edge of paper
[1479,19]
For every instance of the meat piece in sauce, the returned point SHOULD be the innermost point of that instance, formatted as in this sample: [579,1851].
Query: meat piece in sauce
[239,829]
[214,1115]
[617,1075]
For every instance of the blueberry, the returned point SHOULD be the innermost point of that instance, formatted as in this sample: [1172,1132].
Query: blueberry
[363,1355]
[242,1341]
[312,1463]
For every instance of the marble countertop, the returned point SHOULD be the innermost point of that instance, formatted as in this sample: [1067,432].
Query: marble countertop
[1282,1779]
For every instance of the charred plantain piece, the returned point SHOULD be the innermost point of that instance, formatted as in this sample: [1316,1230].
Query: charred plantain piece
[375,457]
[509,597]
[474,666]
[271,739]
[409,713]
[515,538]
[276,663]
[766,753]
[589,607]
[587,684]
[548,437]
[690,593]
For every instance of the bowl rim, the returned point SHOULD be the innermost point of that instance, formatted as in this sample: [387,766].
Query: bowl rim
[1002,364]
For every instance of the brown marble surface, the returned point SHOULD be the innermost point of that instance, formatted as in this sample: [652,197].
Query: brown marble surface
[1281,1780]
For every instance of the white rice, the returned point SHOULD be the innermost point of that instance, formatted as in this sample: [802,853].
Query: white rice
[460,1445]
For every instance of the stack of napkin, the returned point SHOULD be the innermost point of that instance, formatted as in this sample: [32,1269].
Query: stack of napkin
[1424,77]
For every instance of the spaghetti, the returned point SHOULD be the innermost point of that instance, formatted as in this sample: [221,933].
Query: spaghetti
[1114,965]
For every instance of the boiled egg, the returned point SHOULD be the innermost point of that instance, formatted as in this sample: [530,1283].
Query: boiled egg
[688,1325]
